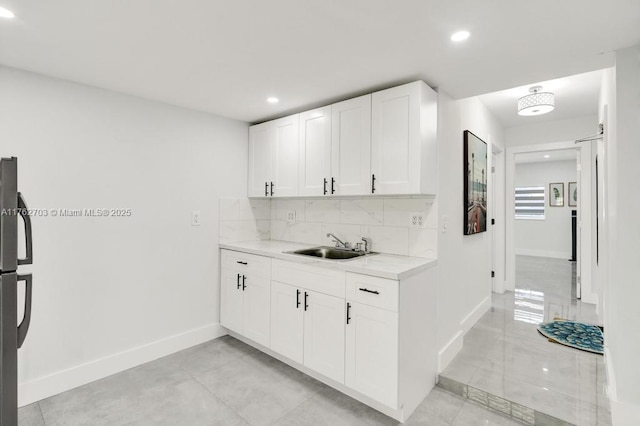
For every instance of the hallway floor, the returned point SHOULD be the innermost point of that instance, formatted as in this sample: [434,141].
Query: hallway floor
[506,364]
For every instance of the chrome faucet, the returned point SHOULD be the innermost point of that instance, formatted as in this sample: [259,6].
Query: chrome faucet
[367,244]
[338,241]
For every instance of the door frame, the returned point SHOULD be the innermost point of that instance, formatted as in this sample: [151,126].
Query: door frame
[584,211]
[497,213]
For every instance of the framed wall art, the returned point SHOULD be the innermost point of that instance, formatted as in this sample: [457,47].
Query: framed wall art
[573,194]
[556,194]
[475,184]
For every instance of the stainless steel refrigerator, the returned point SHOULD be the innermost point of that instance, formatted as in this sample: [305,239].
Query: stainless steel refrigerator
[12,334]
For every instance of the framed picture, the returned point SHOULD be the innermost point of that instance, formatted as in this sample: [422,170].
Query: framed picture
[475,184]
[573,194]
[556,194]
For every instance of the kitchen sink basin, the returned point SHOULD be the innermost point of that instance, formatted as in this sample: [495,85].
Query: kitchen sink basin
[333,253]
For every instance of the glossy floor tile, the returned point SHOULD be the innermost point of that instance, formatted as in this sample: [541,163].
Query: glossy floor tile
[226,382]
[504,355]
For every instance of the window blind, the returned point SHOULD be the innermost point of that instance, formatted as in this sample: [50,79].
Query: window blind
[529,202]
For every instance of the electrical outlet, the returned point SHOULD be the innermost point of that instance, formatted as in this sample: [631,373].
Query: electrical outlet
[195,218]
[291,216]
[416,220]
[445,224]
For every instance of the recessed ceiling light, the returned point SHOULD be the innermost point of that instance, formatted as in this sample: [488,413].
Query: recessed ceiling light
[460,35]
[6,13]
[547,156]
[273,100]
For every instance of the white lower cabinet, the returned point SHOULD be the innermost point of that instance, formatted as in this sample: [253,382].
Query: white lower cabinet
[372,352]
[324,320]
[287,321]
[370,337]
[308,327]
[245,295]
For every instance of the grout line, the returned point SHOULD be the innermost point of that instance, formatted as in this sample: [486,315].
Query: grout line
[44,422]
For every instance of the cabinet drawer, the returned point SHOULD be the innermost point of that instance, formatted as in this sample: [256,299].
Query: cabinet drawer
[322,280]
[373,291]
[247,264]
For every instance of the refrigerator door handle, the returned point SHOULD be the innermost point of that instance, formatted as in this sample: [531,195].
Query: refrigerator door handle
[24,212]
[23,327]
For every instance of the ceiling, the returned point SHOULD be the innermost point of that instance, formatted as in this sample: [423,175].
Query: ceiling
[228,57]
[575,96]
[540,156]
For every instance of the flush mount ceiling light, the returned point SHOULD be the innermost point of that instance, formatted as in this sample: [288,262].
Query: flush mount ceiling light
[536,103]
[547,156]
[460,36]
[6,13]
[273,100]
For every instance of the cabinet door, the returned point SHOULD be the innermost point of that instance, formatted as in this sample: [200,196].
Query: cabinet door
[315,152]
[372,353]
[285,157]
[395,139]
[231,299]
[324,322]
[351,146]
[257,309]
[287,316]
[261,139]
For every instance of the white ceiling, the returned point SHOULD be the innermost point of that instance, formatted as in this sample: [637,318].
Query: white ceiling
[227,57]
[539,156]
[575,96]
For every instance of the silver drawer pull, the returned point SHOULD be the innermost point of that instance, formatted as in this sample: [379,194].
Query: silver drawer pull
[369,291]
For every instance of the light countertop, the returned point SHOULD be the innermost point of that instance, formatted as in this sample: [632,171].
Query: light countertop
[389,266]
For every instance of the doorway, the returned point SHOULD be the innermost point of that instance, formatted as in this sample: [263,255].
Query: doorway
[558,211]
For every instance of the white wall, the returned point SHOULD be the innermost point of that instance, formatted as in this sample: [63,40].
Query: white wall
[110,293]
[551,131]
[550,237]
[464,261]
[621,96]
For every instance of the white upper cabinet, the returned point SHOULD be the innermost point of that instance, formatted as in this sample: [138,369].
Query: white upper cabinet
[403,140]
[315,152]
[351,147]
[261,137]
[382,143]
[285,157]
[273,158]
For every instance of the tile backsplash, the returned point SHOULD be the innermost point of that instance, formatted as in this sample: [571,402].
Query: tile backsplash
[386,221]
[242,219]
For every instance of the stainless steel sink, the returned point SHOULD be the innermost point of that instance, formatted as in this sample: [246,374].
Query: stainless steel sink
[334,253]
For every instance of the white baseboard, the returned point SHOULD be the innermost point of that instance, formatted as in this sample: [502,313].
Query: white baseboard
[60,381]
[544,253]
[611,376]
[622,413]
[475,314]
[450,350]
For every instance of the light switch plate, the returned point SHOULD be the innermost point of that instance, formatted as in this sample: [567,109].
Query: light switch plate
[195,218]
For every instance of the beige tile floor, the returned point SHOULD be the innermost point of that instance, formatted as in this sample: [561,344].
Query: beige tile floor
[504,355]
[225,382]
